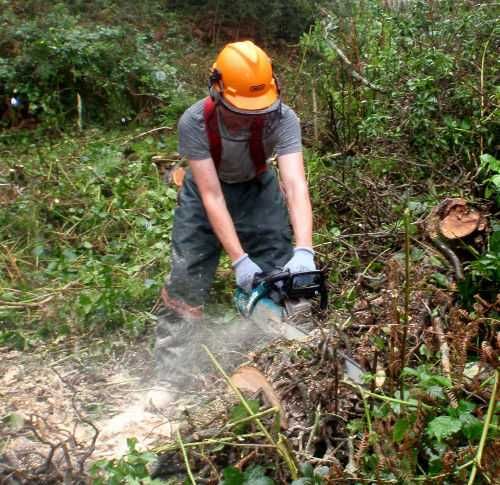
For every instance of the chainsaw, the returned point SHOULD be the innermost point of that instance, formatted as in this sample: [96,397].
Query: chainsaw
[280,303]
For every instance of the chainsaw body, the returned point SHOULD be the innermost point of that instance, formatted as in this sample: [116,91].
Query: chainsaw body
[280,301]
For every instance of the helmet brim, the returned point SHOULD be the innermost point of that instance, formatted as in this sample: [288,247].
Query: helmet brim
[255,103]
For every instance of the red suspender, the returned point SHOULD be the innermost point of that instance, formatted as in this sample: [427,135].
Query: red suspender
[214,140]
[212,127]
[257,146]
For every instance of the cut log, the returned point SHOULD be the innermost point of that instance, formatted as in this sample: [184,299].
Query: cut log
[459,220]
[252,380]
[454,219]
[177,176]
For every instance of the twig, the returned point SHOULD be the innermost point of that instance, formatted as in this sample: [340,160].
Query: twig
[484,434]
[281,444]
[246,459]
[186,461]
[315,113]
[355,74]
[209,441]
[481,139]
[250,418]
[445,356]
[459,272]
[386,398]
[314,430]
[406,316]
[36,302]
[140,135]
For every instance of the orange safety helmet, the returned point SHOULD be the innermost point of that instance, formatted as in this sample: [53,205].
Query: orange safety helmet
[243,75]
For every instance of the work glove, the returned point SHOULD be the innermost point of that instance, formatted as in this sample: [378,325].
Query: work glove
[245,270]
[302,260]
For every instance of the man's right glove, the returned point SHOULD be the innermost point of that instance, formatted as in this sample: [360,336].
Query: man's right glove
[245,270]
[302,260]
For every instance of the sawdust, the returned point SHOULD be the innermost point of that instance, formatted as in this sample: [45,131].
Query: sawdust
[46,401]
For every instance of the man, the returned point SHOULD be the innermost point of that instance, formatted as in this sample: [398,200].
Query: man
[231,199]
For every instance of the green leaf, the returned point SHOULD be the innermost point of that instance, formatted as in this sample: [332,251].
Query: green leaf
[440,279]
[443,427]
[239,412]
[14,421]
[489,162]
[400,429]
[306,469]
[495,180]
[495,242]
[472,427]
[256,475]
[232,476]
[435,392]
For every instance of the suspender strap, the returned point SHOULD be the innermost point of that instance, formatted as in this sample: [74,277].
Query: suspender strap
[256,145]
[212,127]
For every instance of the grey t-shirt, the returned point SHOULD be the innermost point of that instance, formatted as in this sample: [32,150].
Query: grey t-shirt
[236,164]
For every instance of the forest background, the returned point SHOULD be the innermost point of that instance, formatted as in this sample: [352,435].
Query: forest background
[398,102]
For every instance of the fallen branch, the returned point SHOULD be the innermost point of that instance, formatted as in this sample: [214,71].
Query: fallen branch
[149,132]
[36,302]
[452,257]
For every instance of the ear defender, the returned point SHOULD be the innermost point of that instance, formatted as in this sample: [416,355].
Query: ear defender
[214,80]
[277,84]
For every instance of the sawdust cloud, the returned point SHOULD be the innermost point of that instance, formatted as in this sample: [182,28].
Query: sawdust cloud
[231,342]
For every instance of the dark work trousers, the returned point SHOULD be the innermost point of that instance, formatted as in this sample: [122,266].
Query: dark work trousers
[261,220]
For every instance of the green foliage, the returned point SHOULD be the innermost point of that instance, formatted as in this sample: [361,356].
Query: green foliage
[311,476]
[130,469]
[254,475]
[490,168]
[95,217]
[239,412]
[285,19]
[422,60]
[118,71]
[484,273]
[425,420]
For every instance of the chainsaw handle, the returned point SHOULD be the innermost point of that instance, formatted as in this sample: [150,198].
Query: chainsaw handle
[270,278]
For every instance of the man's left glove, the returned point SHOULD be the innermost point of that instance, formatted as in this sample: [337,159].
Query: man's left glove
[302,260]
[245,270]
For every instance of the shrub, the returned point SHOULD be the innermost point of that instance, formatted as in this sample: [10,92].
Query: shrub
[47,61]
[285,19]
[426,62]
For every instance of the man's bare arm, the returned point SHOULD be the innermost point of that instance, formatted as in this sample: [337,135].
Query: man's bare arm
[207,181]
[297,196]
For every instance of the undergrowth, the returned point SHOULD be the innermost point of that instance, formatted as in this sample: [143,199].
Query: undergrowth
[85,218]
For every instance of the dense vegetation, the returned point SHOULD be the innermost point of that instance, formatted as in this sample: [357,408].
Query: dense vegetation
[399,107]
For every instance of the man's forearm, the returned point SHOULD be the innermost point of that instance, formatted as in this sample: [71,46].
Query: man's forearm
[222,225]
[205,177]
[300,211]
[297,197]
